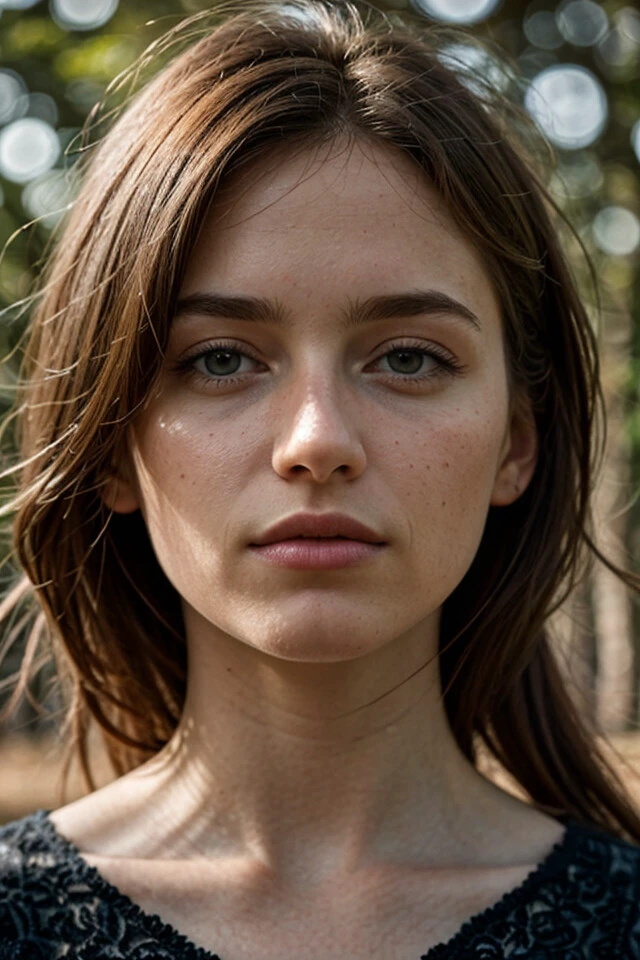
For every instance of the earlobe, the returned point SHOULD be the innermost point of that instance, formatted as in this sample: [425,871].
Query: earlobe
[119,492]
[118,495]
[520,457]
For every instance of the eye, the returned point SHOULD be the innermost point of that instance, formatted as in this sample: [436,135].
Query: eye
[416,363]
[217,364]
[220,364]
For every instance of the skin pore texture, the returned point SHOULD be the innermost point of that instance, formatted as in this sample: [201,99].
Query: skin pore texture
[313,799]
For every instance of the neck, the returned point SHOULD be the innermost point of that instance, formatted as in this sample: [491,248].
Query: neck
[325,762]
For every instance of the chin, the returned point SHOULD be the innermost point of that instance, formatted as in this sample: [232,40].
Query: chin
[319,651]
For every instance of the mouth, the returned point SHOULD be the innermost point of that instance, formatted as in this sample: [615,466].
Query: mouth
[327,527]
[318,553]
[302,536]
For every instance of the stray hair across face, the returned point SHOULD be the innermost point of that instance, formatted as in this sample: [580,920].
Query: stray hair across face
[254,76]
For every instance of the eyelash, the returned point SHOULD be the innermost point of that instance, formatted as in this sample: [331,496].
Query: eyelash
[448,366]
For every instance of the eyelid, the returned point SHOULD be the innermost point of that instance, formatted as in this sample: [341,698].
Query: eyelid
[241,347]
[210,346]
[447,363]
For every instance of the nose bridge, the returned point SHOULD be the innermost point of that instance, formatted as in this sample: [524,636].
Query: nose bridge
[318,424]
[317,389]
[320,409]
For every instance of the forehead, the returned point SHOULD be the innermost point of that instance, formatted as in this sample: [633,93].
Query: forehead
[345,216]
[348,168]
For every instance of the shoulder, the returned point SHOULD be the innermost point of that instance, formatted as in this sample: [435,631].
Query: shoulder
[603,862]
[34,885]
[28,877]
[594,899]
[26,857]
[47,904]
[54,905]
[581,903]
[605,871]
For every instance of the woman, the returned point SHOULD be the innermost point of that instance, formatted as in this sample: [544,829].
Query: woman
[307,451]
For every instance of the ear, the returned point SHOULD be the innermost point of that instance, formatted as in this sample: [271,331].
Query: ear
[119,492]
[519,454]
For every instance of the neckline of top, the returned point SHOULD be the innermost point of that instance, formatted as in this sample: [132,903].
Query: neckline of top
[155,926]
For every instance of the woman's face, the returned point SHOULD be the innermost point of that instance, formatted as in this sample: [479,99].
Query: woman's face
[401,421]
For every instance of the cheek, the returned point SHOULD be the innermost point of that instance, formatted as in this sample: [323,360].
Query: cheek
[188,475]
[445,477]
[456,451]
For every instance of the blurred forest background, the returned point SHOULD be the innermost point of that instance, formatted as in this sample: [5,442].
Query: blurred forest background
[579,67]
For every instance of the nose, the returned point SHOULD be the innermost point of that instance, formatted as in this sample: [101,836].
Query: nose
[319,437]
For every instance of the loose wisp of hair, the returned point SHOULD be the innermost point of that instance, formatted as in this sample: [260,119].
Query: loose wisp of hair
[246,78]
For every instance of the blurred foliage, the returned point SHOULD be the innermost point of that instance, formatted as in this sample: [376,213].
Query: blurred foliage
[65,72]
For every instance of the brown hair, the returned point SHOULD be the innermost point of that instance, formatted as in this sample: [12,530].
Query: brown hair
[303,73]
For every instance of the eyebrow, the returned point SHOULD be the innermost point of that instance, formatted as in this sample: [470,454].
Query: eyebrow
[387,307]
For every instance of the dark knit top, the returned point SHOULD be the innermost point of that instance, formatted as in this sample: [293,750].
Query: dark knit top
[582,902]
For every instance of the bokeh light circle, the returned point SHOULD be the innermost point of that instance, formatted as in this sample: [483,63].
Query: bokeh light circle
[569,105]
[83,14]
[579,175]
[457,11]
[617,52]
[582,22]
[635,139]
[48,197]
[13,96]
[475,66]
[17,4]
[540,29]
[28,147]
[44,107]
[616,231]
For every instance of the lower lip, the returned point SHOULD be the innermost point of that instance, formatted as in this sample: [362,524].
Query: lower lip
[310,554]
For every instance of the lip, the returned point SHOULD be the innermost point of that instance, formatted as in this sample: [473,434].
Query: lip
[321,554]
[319,525]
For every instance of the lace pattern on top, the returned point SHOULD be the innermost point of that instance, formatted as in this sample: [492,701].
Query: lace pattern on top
[582,902]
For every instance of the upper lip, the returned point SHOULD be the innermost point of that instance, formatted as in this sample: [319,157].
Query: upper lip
[318,525]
